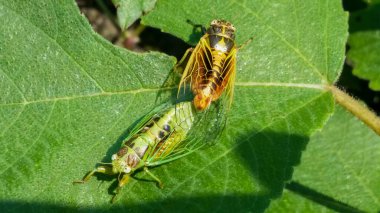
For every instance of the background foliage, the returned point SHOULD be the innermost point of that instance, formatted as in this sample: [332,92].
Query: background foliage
[365,43]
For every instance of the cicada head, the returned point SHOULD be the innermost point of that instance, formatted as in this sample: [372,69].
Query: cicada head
[223,28]
[125,161]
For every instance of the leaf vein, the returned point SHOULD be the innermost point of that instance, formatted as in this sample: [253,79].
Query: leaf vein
[13,121]
[326,37]
[11,165]
[14,84]
[357,177]
[66,98]
[61,47]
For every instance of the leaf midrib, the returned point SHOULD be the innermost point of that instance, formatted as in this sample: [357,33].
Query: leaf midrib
[143,90]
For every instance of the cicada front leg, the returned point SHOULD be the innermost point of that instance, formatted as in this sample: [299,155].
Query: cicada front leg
[203,28]
[179,67]
[101,169]
[186,56]
[124,180]
[244,44]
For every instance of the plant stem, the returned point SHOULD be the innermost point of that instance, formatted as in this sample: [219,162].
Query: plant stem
[356,108]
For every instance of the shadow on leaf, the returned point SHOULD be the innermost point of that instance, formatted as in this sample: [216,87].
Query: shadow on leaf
[223,203]
[271,157]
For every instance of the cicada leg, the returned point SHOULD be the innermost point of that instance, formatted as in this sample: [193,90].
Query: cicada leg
[121,184]
[159,182]
[101,169]
[244,44]
[179,67]
[188,52]
[203,28]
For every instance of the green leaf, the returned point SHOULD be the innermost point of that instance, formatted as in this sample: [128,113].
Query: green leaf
[342,166]
[67,96]
[364,44]
[128,11]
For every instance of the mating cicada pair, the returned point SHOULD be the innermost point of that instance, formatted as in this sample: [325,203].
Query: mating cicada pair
[170,132]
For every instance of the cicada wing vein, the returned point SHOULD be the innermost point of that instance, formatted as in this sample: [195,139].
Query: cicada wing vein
[199,62]
[229,71]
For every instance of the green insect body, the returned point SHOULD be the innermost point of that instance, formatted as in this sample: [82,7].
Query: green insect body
[159,138]
[155,141]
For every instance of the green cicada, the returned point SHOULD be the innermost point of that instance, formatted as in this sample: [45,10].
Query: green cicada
[160,137]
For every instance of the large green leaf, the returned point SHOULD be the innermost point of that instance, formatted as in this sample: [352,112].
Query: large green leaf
[364,44]
[68,95]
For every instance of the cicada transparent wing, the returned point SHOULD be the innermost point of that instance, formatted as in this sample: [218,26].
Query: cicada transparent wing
[206,128]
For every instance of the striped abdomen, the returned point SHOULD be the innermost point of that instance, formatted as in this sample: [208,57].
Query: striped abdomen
[210,80]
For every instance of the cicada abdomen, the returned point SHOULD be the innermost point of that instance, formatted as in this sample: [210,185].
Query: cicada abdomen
[212,65]
[159,138]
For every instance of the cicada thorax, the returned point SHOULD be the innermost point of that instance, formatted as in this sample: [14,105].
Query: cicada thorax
[155,140]
[216,58]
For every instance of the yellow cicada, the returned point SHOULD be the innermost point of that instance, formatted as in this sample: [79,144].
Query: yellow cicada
[212,65]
